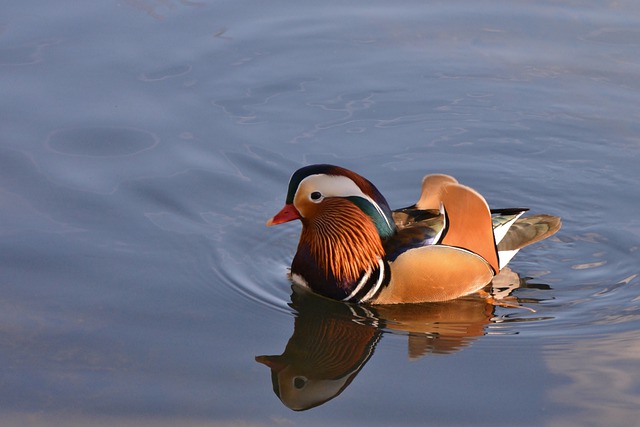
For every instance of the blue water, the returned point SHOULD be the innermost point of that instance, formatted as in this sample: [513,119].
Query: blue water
[144,143]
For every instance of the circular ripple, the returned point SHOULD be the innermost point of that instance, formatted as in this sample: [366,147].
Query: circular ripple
[250,271]
[100,141]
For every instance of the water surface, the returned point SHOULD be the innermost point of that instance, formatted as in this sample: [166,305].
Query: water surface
[144,143]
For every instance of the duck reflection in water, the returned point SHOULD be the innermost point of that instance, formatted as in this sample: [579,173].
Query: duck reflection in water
[332,340]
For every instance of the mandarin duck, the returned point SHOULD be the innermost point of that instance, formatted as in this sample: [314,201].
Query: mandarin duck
[354,248]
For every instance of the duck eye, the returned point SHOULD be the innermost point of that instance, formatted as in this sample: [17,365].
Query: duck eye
[315,196]
[299,382]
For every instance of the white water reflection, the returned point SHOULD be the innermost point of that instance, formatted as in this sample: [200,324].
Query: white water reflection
[601,379]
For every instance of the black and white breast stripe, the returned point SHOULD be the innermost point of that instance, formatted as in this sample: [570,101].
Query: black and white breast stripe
[370,284]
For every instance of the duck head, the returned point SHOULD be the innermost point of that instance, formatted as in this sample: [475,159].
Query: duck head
[345,220]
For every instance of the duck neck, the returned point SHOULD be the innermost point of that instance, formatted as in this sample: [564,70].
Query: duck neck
[338,248]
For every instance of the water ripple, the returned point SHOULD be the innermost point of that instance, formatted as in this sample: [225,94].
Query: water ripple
[255,277]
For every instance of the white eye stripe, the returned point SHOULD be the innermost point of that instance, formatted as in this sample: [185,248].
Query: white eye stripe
[331,185]
[337,186]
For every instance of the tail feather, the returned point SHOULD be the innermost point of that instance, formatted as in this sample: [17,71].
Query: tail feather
[524,232]
[528,230]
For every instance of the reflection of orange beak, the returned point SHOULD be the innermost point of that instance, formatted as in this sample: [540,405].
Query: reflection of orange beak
[286,214]
[273,362]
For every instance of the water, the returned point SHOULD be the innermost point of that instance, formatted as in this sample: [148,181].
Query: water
[144,143]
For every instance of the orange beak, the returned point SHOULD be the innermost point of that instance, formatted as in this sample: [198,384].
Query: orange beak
[286,214]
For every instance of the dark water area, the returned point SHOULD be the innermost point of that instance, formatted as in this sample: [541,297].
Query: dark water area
[144,143]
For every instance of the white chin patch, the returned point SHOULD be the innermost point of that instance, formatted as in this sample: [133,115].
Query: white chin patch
[299,280]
